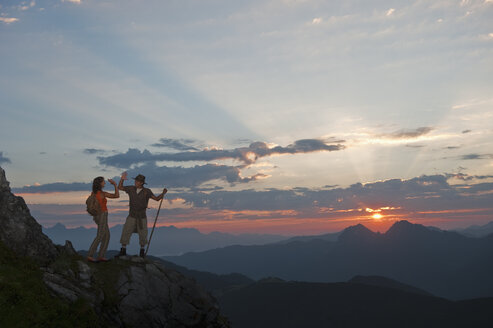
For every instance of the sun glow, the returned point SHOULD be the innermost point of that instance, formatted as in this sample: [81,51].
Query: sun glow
[377,216]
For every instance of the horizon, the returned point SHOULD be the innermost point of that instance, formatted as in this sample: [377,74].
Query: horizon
[285,117]
[369,227]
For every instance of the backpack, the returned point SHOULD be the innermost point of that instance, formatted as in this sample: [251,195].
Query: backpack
[93,207]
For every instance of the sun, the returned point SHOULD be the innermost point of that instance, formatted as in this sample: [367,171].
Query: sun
[377,216]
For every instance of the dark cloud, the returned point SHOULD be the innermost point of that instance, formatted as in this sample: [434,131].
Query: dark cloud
[483,176]
[467,177]
[92,151]
[459,176]
[247,155]
[3,159]
[418,194]
[54,187]
[424,197]
[160,176]
[177,144]
[476,156]
[451,147]
[407,134]
[466,131]
[190,177]
[415,146]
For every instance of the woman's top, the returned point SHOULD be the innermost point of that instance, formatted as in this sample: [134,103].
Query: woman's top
[102,201]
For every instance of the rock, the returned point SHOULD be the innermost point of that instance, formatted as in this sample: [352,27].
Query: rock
[137,259]
[20,232]
[177,301]
[84,274]
[69,248]
[144,294]
[66,288]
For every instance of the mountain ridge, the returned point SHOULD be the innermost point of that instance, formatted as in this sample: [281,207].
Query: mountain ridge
[445,263]
[167,240]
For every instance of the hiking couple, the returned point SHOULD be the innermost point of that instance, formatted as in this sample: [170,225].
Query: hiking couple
[136,219]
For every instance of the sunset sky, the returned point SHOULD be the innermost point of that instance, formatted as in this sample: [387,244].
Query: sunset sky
[285,116]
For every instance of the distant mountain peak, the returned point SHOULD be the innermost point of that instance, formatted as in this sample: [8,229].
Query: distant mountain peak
[403,228]
[356,232]
[359,228]
[59,225]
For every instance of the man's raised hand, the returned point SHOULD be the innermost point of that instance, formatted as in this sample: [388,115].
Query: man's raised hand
[112,182]
[124,175]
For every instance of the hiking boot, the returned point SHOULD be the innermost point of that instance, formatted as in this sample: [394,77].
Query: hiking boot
[92,259]
[142,253]
[123,252]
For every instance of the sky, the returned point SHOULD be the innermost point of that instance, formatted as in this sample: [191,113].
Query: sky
[286,116]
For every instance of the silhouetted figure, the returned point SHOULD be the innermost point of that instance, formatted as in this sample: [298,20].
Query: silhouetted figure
[101,219]
[137,218]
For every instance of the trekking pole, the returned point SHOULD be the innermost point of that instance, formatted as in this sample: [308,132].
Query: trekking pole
[159,209]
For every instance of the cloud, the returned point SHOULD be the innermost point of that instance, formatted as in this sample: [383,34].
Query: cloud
[420,198]
[467,177]
[476,156]
[178,144]
[413,195]
[160,176]
[408,134]
[190,177]
[466,131]
[247,155]
[54,187]
[8,20]
[92,151]
[390,12]
[4,159]
[317,20]
[73,1]
[25,6]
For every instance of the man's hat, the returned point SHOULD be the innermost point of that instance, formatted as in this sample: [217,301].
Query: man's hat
[140,178]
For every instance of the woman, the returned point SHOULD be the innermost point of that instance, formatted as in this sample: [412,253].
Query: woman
[103,235]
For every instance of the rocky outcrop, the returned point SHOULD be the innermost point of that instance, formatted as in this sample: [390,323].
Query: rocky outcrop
[19,230]
[133,292]
[125,292]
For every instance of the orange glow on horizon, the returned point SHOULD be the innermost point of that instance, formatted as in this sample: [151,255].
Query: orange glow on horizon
[68,208]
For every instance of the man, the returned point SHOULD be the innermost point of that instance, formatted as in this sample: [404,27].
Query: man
[137,219]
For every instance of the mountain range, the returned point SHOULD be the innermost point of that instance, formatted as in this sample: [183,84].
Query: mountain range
[268,304]
[363,301]
[477,231]
[166,240]
[445,263]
